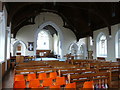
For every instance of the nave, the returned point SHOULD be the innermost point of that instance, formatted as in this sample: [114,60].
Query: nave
[70,44]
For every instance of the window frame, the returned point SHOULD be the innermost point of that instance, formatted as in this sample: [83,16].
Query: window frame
[101,52]
[46,36]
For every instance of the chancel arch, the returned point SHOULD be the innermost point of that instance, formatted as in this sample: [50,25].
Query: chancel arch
[58,33]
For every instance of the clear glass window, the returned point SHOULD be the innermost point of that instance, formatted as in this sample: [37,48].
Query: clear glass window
[102,45]
[43,40]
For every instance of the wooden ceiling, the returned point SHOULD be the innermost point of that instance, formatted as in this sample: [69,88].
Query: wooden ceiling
[81,17]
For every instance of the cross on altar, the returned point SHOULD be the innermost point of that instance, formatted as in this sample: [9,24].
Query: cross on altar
[30,47]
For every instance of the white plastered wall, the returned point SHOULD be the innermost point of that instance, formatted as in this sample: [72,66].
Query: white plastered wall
[28,33]
[110,42]
[3,42]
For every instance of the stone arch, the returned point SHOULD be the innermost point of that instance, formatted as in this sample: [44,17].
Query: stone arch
[73,48]
[82,50]
[15,45]
[56,28]
[98,36]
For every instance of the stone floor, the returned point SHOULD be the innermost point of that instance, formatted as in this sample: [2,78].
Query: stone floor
[8,80]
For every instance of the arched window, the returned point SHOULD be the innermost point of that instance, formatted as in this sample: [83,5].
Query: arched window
[73,49]
[43,40]
[117,44]
[102,46]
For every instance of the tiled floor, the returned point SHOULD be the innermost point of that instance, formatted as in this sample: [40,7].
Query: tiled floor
[8,80]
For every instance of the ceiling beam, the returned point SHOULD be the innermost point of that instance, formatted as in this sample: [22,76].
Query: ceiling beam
[103,16]
[75,15]
[16,8]
[1,6]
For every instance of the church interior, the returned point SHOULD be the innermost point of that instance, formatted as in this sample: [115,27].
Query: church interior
[60,45]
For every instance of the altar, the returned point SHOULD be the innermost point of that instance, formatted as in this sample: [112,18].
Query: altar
[42,53]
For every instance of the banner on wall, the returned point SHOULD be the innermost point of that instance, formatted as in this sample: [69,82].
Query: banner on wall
[30,46]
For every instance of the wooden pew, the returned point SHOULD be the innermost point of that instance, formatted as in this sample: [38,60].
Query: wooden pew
[31,67]
[114,70]
[31,64]
[80,61]
[113,67]
[38,66]
[61,64]
[81,78]
[76,71]
[26,71]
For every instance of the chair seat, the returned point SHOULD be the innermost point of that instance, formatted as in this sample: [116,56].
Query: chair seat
[60,81]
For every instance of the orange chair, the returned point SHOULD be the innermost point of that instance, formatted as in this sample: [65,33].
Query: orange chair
[53,75]
[31,77]
[19,84]
[47,82]
[55,87]
[34,84]
[60,81]
[71,85]
[88,84]
[42,76]
[19,78]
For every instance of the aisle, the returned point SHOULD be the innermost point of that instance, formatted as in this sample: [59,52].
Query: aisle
[8,80]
